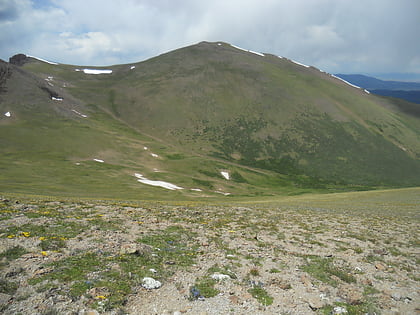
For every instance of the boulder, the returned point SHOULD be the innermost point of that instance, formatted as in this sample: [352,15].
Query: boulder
[18,60]
[150,283]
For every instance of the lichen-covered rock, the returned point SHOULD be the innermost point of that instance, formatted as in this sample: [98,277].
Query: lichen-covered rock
[150,283]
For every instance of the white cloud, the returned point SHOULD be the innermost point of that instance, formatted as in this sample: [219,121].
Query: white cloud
[345,36]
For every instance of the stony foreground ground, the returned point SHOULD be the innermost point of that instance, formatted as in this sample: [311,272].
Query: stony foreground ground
[352,255]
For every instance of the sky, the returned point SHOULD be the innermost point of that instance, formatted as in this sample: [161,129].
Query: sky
[337,36]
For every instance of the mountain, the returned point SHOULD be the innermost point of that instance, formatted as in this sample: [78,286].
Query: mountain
[371,83]
[409,91]
[210,118]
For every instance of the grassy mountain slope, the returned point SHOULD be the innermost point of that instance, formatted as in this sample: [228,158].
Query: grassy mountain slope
[274,125]
[48,148]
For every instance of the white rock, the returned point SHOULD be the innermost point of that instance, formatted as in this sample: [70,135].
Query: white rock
[8,114]
[150,283]
[219,277]
[339,310]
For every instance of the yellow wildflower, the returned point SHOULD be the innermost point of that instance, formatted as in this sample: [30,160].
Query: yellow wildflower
[11,236]
[26,234]
[100,297]
[44,253]
[42,238]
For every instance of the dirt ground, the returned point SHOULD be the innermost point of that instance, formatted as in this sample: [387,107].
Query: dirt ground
[345,255]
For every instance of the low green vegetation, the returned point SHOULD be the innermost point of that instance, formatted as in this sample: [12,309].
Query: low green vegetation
[364,308]
[204,288]
[261,295]
[323,268]
[175,246]
[8,287]
[13,252]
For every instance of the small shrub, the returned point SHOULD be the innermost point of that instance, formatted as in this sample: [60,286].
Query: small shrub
[13,253]
[261,295]
[323,268]
[8,287]
[204,287]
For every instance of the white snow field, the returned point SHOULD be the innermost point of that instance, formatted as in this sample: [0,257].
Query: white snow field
[157,183]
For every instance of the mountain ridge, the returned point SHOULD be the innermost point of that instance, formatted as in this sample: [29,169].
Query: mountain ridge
[409,91]
[205,109]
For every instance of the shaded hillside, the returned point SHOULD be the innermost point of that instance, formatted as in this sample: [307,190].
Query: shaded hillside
[410,96]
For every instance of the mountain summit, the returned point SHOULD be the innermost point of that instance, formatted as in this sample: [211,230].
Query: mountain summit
[208,118]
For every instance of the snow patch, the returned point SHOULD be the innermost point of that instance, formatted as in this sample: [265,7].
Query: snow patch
[132,67]
[219,44]
[98,160]
[146,148]
[196,189]
[366,91]
[157,183]
[300,64]
[250,51]
[221,192]
[225,175]
[154,155]
[43,60]
[8,114]
[95,71]
[355,86]
[56,98]
[79,113]
[257,53]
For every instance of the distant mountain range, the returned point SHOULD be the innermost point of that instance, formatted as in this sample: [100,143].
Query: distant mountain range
[409,91]
[206,120]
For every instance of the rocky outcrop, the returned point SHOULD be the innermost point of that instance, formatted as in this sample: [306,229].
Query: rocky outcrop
[18,60]
[5,73]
